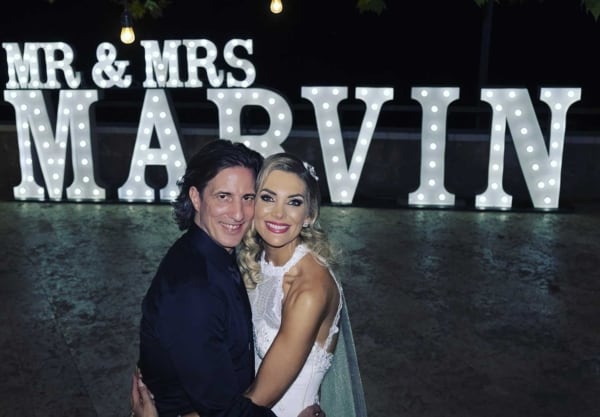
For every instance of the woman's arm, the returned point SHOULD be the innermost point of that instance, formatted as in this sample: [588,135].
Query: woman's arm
[142,404]
[303,311]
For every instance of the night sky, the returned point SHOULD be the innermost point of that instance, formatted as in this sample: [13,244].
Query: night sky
[416,43]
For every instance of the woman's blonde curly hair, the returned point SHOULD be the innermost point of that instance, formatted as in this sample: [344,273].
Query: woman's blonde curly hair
[312,236]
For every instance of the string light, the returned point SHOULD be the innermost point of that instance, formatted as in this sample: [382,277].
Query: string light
[276,6]
[127,34]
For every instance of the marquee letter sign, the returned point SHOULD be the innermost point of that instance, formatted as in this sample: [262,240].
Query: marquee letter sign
[342,181]
[156,117]
[230,102]
[434,102]
[72,117]
[35,67]
[541,167]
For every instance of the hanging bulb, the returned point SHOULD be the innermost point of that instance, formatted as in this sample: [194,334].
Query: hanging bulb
[276,6]
[127,34]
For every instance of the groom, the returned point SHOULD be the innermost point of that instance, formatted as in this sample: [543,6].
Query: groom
[196,337]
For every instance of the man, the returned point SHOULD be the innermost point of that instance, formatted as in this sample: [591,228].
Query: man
[196,337]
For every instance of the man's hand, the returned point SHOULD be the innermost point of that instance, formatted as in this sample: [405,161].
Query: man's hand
[312,411]
[142,403]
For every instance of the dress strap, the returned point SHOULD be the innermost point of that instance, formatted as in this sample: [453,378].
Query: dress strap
[299,253]
[268,268]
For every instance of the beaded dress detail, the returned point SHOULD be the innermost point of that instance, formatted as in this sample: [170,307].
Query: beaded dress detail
[266,301]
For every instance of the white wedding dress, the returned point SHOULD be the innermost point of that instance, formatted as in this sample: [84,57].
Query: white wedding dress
[266,301]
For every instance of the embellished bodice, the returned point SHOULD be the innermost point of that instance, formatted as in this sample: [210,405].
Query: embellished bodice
[266,301]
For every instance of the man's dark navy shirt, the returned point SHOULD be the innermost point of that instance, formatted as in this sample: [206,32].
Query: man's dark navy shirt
[196,343]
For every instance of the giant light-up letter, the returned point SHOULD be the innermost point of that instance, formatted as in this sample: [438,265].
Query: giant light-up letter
[342,181]
[243,64]
[541,167]
[156,113]
[434,102]
[230,102]
[73,116]
[103,73]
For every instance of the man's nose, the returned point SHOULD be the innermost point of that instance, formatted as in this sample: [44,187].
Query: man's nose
[237,210]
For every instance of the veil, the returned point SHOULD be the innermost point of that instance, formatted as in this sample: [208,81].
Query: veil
[341,390]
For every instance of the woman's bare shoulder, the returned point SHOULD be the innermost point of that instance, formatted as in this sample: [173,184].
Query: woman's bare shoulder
[310,275]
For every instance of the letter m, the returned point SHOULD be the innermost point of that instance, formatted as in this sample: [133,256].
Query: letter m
[73,119]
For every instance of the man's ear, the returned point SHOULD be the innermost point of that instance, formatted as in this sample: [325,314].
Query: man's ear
[195,197]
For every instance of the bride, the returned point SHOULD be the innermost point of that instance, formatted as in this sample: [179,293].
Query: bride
[295,301]
[295,298]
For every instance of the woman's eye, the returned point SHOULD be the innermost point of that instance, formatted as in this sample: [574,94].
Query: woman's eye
[296,202]
[266,197]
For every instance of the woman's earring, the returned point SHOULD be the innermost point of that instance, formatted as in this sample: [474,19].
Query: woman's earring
[306,224]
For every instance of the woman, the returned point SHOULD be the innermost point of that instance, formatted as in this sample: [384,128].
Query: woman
[295,299]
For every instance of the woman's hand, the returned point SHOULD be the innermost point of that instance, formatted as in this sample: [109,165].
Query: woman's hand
[312,411]
[142,402]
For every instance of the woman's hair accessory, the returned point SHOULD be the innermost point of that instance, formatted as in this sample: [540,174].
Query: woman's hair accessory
[311,170]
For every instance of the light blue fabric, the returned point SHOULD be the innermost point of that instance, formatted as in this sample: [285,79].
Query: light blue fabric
[341,390]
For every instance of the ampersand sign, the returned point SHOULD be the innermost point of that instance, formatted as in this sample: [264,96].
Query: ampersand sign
[108,72]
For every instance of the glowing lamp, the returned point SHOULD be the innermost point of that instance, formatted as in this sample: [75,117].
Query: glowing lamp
[127,34]
[276,6]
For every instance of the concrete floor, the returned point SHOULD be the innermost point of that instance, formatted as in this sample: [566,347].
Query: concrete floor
[455,313]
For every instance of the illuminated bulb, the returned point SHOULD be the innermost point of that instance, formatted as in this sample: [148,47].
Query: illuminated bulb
[127,34]
[276,6]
